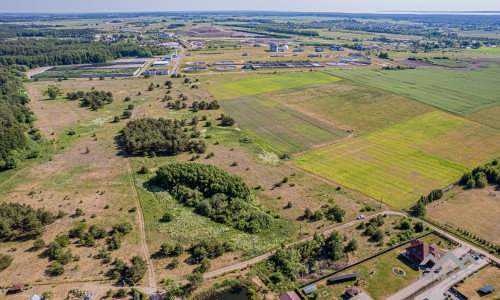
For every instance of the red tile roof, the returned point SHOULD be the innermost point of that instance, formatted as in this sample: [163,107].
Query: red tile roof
[421,250]
[17,287]
[290,296]
[352,291]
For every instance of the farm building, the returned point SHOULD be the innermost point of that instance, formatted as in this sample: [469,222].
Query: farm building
[343,278]
[245,54]
[273,47]
[169,45]
[285,48]
[419,250]
[298,50]
[290,296]
[155,71]
[336,48]
[319,50]
[309,289]
[314,55]
[486,290]
[167,34]
[354,53]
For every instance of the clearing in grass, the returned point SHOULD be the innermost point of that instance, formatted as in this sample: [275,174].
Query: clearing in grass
[487,50]
[487,276]
[247,87]
[460,92]
[392,163]
[279,128]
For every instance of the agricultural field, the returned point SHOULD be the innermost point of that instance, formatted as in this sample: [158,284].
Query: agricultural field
[450,90]
[240,88]
[87,72]
[277,127]
[460,208]
[350,105]
[487,50]
[401,162]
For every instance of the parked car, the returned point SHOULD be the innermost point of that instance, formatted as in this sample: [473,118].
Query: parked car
[89,296]
[361,217]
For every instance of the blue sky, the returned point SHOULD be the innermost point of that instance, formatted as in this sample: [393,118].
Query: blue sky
[275,5]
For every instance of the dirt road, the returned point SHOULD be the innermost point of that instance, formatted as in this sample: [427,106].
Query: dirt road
[142,229]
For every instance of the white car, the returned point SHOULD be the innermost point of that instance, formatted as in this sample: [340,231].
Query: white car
[361,217]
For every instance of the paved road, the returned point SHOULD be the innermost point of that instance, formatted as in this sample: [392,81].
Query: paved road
[417,285]
[175,69]
[436,292]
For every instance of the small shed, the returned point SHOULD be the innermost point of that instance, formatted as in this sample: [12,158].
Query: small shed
[486,289]
[309,289]
[16,288]
[351,292]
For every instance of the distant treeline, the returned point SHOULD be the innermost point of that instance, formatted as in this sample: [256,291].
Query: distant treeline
[16,30]
[50,52]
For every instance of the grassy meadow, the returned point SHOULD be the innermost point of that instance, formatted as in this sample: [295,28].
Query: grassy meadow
[253,86]
[391,162]
[455,91]
[350,105]
[277,127]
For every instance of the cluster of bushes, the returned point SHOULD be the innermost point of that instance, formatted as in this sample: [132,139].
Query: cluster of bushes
[487,244]
[227,120]
[88,238]
[132,273]
[169,249]
[117,234]
[481,176]
[408,231]
[332,213]
[22,221]
[372,228]
[5,261]
[286,263]
[93,99]
[216,194]
[203,105]
[210,249]
[159,136]
[418,210]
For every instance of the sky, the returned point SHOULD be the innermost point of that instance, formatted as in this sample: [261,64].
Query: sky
[357,6]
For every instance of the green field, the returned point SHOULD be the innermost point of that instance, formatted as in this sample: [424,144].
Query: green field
[390,163]
[487,50]
[253,86]
[460,92]
[279,128]
[350,105]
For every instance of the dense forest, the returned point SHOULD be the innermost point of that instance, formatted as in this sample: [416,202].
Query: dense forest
[15,119]
[214,193]
[51,52]
[159,136]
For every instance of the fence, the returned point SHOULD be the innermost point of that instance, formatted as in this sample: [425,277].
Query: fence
[363,261]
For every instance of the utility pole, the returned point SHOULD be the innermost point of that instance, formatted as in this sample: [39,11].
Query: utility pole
[381,197]
[253,243]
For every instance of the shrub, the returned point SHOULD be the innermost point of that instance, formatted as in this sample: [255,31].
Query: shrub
[78,212]
[39,244]
[5,261]
[56,269]
[121,293]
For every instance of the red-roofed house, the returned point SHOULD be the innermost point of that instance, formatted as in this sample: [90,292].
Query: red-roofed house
[290,296]
[16,288]
[351,292]
[419,250]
